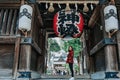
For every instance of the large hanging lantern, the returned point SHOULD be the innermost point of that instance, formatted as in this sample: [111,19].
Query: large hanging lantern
[111,20]
[25,17]
[68,23]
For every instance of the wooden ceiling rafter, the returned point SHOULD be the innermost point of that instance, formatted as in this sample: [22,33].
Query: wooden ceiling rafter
[94,17]
[48,16]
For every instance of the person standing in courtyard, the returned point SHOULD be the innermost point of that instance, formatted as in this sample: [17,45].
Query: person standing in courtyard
[70,61]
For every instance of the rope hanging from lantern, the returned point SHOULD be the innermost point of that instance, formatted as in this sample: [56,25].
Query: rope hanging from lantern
[76,7]
[76,3]
[59,6]
[51,8]
[46,6]
[67,7]
[85,9]
[91,5]
[25,33]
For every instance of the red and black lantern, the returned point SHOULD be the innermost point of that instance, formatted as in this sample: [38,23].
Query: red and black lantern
[68,23]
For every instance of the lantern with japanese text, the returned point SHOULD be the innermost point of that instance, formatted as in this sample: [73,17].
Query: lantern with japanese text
[25,17]
[68,23]
[111,20]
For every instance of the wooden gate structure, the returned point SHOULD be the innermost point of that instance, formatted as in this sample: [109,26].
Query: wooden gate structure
[103,49]
[24,57]
[20,56]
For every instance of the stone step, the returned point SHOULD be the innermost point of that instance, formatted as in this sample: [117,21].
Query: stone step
[63,77]
[60,79]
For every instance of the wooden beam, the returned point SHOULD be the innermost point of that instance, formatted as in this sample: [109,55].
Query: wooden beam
[12,39]
[117,2]
[4,22]
[14,23]
[36,47]
[16,57]
[33,24]
[94,17]
[68,1]
[9,22]
[101,44]
[1,17]
[9,1]
[7,39]
[39,15]
[118,43]
[118,33]
[30,41]
[9,5]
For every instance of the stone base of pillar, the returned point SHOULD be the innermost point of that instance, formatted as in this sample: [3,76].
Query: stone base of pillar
[105,75]
[28,75]
[112,79]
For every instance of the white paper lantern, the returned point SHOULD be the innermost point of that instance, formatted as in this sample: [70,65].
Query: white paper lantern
[25,17]
[111,20]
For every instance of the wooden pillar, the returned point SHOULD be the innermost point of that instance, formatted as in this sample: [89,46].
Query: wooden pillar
[110,50]
[24,72]
[118,33]
[111,58]
[25,57]
[85,53]
[118,43]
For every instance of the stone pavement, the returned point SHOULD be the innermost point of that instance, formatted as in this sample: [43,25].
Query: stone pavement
[63,77]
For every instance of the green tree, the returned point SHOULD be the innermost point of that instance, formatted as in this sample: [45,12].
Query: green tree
[75,43]
[53,45]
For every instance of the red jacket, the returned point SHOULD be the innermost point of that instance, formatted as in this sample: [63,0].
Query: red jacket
[70,57]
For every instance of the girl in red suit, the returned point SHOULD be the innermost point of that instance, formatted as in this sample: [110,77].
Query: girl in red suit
[70,61]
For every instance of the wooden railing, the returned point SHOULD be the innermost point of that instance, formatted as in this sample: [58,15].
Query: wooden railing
[8,21]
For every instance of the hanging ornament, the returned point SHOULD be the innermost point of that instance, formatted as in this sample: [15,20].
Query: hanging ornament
[46,6]
[67,7]
[85,9]
[51,8]
[110,15]
[67,24]
[59,6]
[25,18]
[91,5]
[76,7]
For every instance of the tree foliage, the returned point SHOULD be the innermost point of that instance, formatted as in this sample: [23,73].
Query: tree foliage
[53,45]
[75,43]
